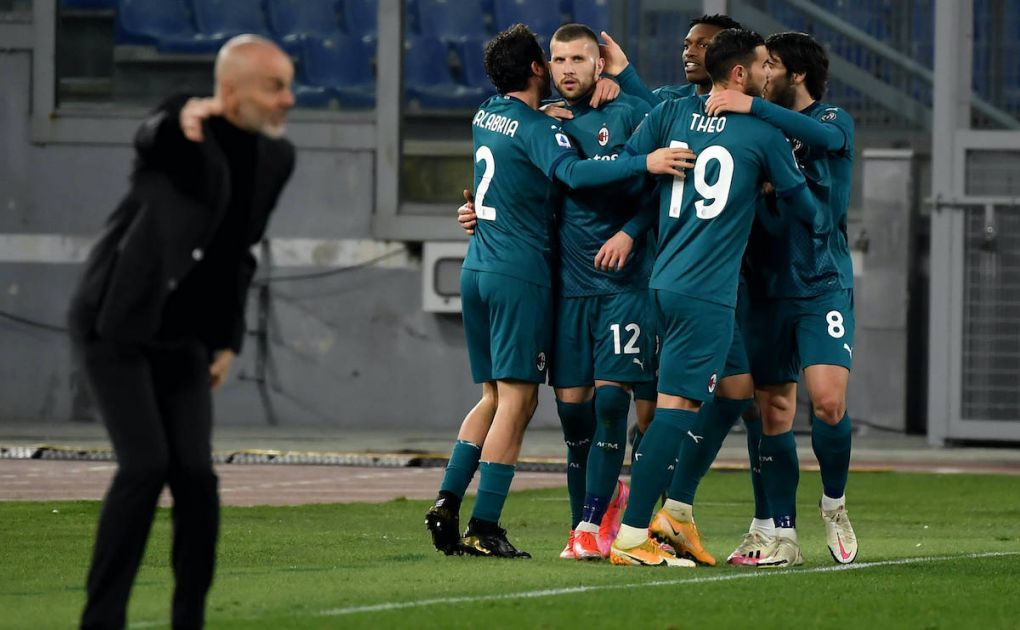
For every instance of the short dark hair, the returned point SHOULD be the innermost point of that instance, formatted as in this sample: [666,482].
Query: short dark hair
[718,19]
[731,47]
[508,58]
[570,32]
[802,54]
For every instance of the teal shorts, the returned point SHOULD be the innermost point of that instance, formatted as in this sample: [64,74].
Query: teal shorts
[737,361]
[604,337]
[508,325]
[787,335]
[696,338]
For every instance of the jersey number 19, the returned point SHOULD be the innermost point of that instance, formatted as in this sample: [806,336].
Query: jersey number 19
[713,196]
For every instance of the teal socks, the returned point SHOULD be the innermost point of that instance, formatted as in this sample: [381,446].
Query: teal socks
[655,462]
[831,443]
[578,422]
[493,487]
[701,446]
[761,500]
[780,472]
[461,468]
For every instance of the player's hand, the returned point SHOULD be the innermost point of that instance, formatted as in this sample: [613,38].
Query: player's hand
[219,368]
[616,59]
[606,91]
[728,101]
[614,252]
[466,214]
[767,188]
[194,112]
[667,161]
[557,110]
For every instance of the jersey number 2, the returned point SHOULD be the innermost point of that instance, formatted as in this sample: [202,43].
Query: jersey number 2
[713,196]
[484,155]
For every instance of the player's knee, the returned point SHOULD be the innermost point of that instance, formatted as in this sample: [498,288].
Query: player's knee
[193,479]
[148,473]
[829,407]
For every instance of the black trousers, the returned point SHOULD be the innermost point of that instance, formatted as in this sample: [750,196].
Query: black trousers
[156,404]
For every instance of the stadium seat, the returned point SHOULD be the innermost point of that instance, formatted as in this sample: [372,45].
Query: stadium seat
[541,16]
[88,4]
[592,13]
[451,20]
[294,19]
[226,18]
[471,53]
[341,67]
[361,18]
[428,80]
[165,24]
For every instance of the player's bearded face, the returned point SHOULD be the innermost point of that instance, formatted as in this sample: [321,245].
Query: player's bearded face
[575,65]
[758,73]
[779,89]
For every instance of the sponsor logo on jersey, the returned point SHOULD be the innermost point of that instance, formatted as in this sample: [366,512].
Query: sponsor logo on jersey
[603,136]
[540,362]
[712,382]
[830,114]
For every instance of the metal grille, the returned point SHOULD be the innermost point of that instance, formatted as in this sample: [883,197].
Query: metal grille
[991,314]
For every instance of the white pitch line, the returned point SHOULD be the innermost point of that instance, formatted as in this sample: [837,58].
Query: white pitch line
[754,574]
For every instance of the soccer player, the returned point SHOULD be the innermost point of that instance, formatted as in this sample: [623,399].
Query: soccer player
[803,292]
[733,396]
[521,158]
[603,337]
[702,30]
[704,224]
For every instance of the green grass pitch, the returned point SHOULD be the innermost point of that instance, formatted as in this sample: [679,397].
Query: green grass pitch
[937,551]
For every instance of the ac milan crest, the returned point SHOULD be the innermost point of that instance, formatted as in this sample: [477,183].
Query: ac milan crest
[603,136]
[712,381]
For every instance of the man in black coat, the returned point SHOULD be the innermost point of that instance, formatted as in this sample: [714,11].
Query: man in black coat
[159,315]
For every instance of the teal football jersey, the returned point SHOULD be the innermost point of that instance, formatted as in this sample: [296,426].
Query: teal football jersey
[705,219]
[590,217]
[817,257]
[631,83]
[520,156]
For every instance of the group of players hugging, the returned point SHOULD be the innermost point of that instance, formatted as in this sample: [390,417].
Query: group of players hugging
[684,247]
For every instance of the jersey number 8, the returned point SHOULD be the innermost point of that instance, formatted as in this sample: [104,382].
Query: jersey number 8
[713,196]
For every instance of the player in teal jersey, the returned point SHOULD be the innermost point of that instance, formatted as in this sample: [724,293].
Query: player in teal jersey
[733,396]
[603,340]
[521,159]
[803,294]
[704,223]
[702,30]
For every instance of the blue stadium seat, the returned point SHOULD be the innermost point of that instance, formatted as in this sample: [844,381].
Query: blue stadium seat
[451,20]
[428,80]
[541,16]
[88,4]
[340,67]
[471,53]
[592,13]
[361,17]
[293,19]
[165,24]
[226,18]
